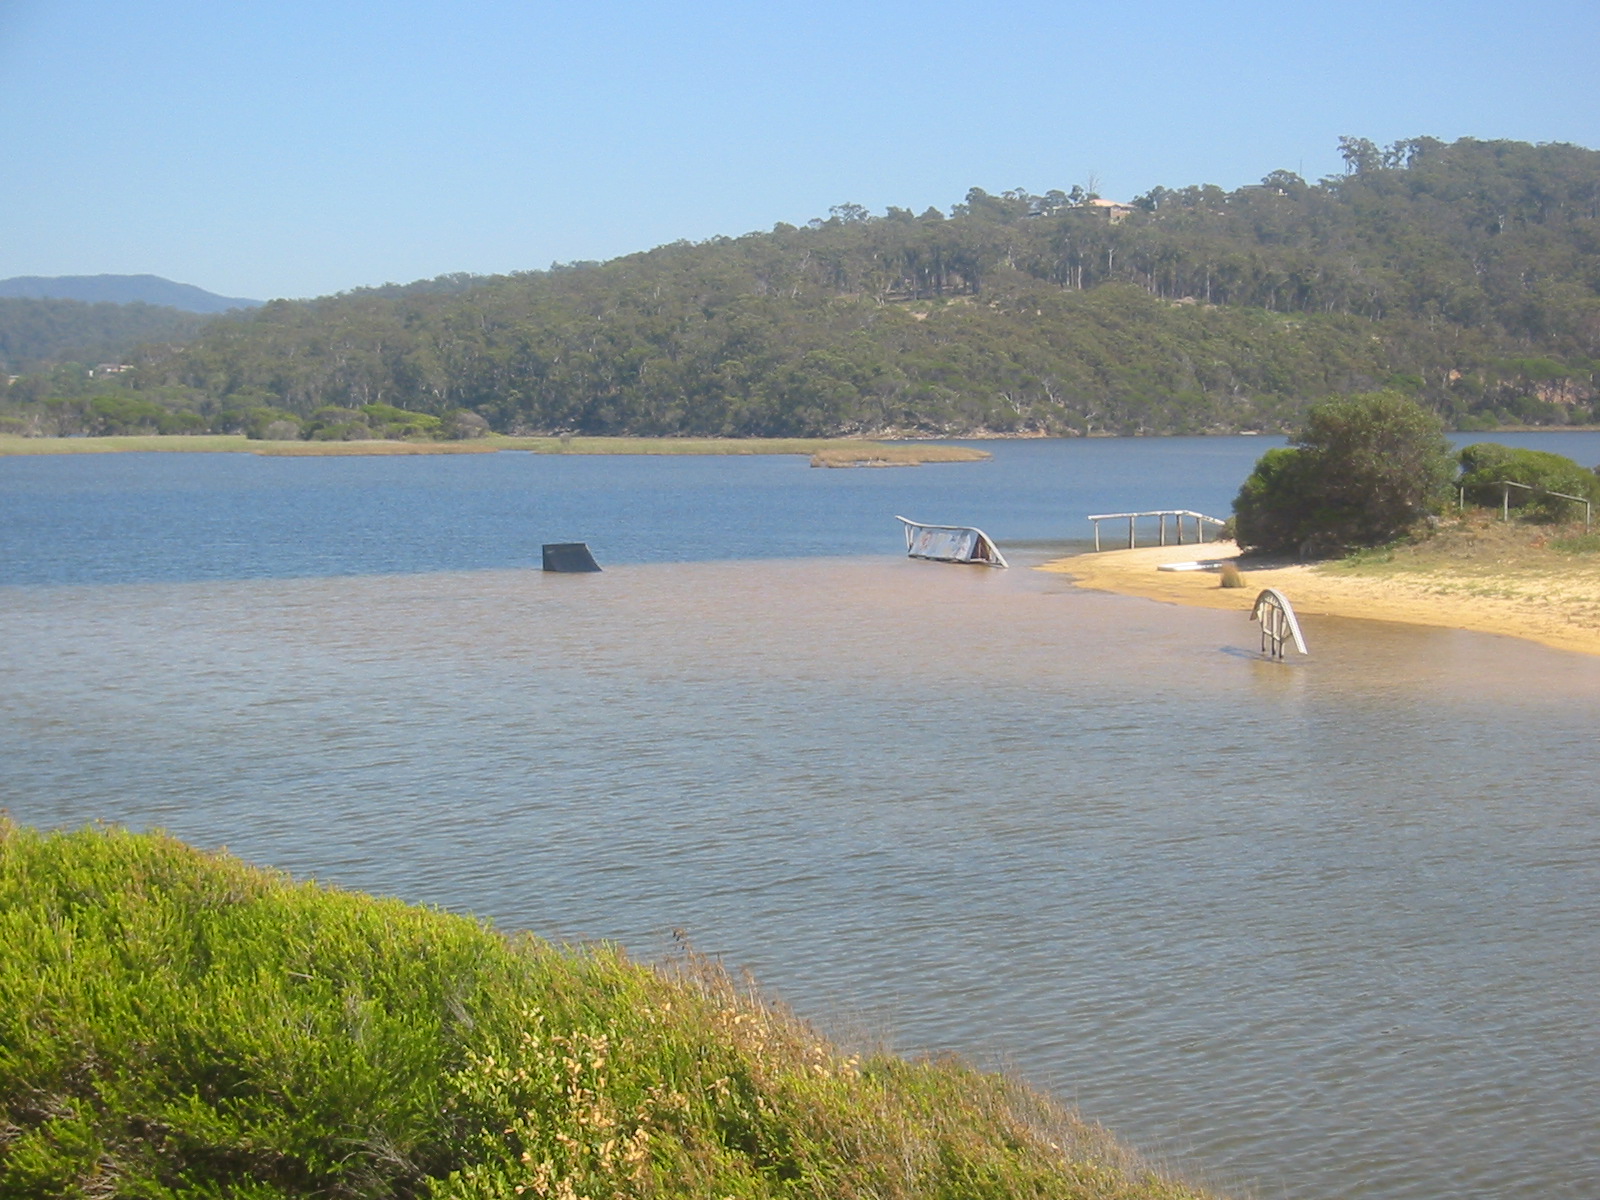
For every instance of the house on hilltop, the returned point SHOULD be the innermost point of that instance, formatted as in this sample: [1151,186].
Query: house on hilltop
[1114,211]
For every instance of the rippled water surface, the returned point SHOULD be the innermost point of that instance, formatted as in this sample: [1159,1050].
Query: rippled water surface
[1316,929]
[115,518]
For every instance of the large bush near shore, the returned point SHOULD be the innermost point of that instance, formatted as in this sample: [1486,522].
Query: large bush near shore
[174,1023]
[1362,470]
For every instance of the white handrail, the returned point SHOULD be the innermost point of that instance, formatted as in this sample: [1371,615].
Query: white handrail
[1159,512]
[1278,623]
[1199,519]
[1505,486]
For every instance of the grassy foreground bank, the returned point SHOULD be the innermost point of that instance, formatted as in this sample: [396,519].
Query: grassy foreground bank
[177,1023]
[823,451]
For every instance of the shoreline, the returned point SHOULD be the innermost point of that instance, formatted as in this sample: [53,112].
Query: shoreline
[1562,612]
[836,452]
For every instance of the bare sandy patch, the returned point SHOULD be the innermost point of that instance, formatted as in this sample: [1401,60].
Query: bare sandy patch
[1554,602]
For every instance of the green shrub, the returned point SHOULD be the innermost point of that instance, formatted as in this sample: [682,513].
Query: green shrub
[1485,464]
[331,424]
[1362,471]
[179,1024]
[181,423]
[114,414]
[284,429]
[388,421]
[261,422]
[1275,506]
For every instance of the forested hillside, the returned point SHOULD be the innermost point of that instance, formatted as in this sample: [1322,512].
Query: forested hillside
[35,333]
[1467,274]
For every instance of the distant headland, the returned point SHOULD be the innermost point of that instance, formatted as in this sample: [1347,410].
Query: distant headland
[121,289]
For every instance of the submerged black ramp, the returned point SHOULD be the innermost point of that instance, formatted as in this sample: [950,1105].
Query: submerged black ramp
[569,557]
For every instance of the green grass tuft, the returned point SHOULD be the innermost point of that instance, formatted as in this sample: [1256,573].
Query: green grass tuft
[178,1023]
[1577,543]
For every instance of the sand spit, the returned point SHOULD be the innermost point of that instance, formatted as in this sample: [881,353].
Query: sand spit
[1556,607]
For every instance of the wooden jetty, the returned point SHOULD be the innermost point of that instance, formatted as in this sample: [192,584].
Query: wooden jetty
[1179,516]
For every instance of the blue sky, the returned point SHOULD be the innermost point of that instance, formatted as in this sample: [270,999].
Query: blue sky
[297,149]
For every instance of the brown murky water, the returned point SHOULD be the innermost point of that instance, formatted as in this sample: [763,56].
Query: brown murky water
[1323,928]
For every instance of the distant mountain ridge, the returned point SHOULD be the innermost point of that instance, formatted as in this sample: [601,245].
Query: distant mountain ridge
[121,289]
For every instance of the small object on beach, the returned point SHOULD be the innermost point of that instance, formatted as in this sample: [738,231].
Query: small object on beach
[1231,578]
[1278,624]
[569,558]
[951,543]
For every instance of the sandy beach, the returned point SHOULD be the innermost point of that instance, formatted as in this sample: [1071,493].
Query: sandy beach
[1558,607]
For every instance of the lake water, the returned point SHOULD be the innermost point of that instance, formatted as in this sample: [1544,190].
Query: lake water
[1315,929]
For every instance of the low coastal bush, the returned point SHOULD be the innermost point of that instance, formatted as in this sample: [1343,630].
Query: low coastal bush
[1547,481]
[178,1023]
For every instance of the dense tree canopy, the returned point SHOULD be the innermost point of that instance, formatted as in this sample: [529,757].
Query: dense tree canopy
[1466,275]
